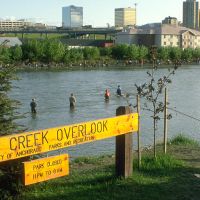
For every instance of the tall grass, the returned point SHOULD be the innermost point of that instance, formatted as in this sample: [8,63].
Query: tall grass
[162,164]
[184,140]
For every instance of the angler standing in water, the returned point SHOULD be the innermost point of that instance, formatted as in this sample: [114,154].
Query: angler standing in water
[107,95]
[33,105]
[119,91]
[72,101]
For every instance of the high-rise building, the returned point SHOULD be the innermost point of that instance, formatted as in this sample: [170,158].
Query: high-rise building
[125,17]
[191,14]
[72,16]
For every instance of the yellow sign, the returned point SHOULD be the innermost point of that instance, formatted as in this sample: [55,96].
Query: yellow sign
[45,169]
[36,142]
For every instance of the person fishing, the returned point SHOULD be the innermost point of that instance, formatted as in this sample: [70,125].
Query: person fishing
[119,91]
[72,101]
[33,105]
[107,95]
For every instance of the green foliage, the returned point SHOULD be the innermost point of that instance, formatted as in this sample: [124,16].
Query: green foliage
[163,53]
[196,54]
[105,51]
[52,50]
[7,106]
[143,52]
[120,51]
[5,55]
[175,53]
[163,163]
[187,54]
[183,140]
[151,90]
[91,53]
[9,171]
[16,53]
[76,55]
[133,52]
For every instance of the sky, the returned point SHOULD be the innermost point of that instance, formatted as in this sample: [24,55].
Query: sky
[97,13]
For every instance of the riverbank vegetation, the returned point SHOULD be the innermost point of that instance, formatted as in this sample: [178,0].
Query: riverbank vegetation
[172,176]
[51,52]
[10,172]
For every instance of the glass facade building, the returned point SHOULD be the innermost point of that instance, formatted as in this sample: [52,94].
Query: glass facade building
[72,17]
[191,14]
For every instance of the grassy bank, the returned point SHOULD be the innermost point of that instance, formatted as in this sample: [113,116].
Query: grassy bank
[172,176]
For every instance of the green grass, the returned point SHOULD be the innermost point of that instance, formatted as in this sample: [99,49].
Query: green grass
[164,178]
[183,140]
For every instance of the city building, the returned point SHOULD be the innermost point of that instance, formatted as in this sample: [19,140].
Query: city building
[72,17]
[125,17]
[11,24]
[170,20]
[191,14]
[163,35]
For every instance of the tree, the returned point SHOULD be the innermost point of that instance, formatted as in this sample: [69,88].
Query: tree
[105,51]
[151,91]
[133,52]
[91,53]
[187,54]
[9,170]
[120,51]
[175,54]
[143,52]
[196,54]
[55,51]
[163,53]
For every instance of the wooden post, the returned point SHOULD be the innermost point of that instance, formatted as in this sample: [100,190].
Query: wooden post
[138,132]
[124,146]
[165,122]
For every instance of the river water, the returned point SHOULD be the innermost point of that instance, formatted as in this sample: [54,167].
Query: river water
[51,89]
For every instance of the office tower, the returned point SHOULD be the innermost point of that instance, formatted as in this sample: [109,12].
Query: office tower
[125,17]
[72,16]
[191,14]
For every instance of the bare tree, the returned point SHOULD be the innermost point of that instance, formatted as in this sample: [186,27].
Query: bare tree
[152,90]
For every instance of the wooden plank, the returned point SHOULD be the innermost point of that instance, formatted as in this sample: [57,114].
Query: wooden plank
[36,142]
[124,152]
[44,169]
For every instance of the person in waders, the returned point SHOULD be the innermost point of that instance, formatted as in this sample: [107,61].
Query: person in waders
[107,95]
[33,105]
[119,91]
[72,101]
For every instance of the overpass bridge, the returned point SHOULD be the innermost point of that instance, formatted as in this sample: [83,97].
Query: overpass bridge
[70,31]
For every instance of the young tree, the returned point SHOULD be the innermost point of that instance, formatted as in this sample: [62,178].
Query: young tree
[151,91]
